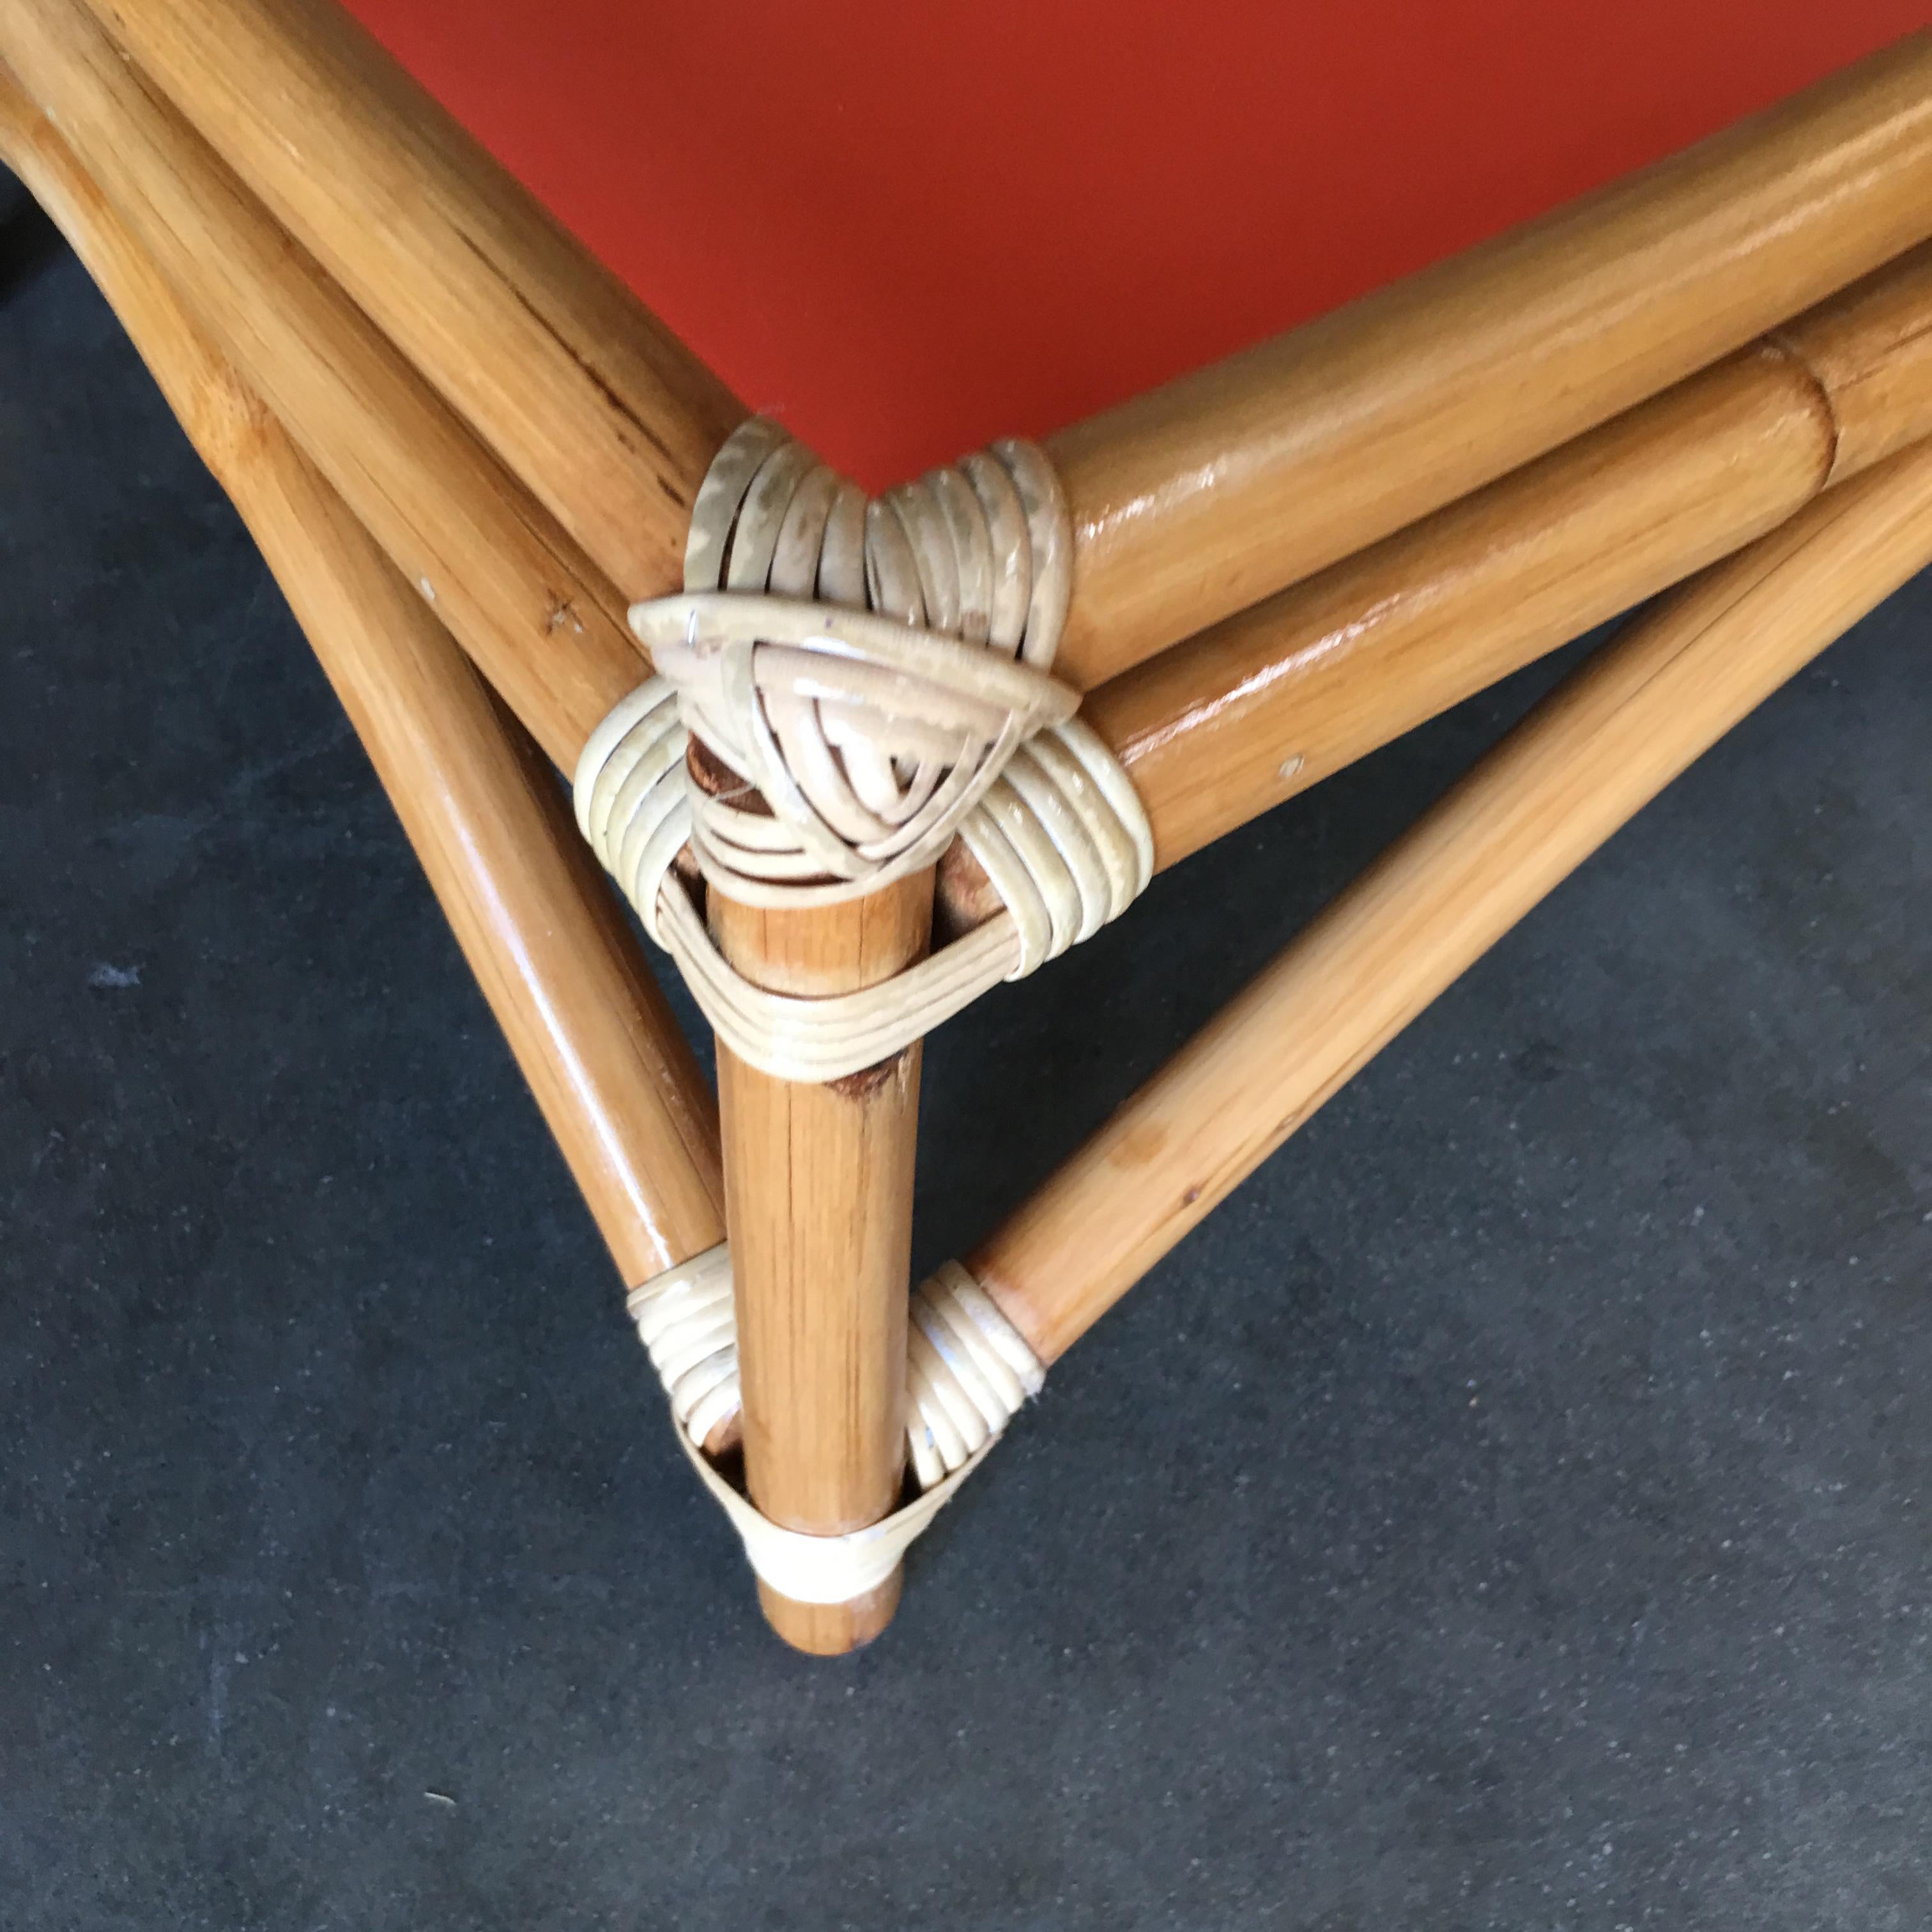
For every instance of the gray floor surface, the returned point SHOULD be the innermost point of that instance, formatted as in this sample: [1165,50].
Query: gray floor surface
[1509,1510]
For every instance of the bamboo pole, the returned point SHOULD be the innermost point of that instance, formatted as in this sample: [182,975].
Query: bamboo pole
[1198,499]
[601,1053]
[1282,696]
[818,1192]
[1189,503]
[590,401]
[616,1082]
[542,623]
[1582,763]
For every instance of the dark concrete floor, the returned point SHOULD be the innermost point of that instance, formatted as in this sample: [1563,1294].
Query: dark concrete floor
[1510,1510]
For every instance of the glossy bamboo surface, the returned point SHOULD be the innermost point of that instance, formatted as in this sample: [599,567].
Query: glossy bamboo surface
[614,1078]
[818,1192]
[1277,698]
[589,401]
[540,621]
[1260,707]
[1201,497]
[1584,762]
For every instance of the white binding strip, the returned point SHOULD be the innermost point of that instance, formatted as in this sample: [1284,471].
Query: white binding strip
[969,1372]
[817,1040]
[877,674]
[685,1321]
[827,1569]
[1061,835]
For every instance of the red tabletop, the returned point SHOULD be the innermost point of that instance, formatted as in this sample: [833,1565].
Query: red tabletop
[906,226]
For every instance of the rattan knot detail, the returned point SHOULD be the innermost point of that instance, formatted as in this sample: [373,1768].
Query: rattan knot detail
[685,1321]
[876,674]
[969,1372]
[867,668]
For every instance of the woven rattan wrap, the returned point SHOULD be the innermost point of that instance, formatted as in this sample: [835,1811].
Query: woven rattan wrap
[968,1373]
[875,673]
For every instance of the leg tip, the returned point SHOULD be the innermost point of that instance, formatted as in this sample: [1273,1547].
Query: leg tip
[831,1629]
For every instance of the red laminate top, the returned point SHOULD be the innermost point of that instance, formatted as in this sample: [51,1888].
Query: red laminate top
[907,227]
